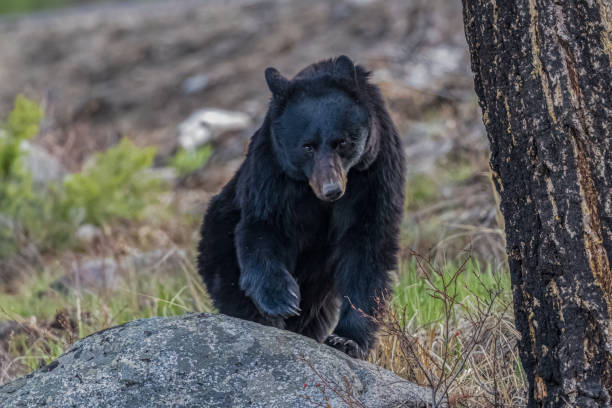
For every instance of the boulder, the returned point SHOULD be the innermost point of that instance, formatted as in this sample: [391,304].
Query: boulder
[45,167]
[204,360]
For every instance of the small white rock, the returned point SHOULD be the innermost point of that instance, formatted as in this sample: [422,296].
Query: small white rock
[87,233]
[194,84]
[207,125]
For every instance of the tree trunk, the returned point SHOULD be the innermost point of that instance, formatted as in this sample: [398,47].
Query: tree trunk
[543,75]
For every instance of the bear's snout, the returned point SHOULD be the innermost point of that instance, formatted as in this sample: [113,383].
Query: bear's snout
[331,191]
[328,180]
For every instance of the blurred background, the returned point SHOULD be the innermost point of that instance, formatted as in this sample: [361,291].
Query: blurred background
[121,119]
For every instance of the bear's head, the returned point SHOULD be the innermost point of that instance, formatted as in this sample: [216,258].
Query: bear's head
[321,125]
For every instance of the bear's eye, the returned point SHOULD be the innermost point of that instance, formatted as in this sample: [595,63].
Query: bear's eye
[308,148]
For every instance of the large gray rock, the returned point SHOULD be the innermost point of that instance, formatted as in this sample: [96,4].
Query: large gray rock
[45,167]
[203,360]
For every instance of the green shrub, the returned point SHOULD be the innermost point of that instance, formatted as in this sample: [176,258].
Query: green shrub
[16,193]
[21,125]
[114,185]
[188,161]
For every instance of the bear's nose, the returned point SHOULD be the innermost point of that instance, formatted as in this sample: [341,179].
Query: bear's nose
[331,191]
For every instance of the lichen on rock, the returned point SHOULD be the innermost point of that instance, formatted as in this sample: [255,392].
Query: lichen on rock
[207,360]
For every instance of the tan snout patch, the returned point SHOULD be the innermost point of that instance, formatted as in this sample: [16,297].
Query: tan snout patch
[327,171]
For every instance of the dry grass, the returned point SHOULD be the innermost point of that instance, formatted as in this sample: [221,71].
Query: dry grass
[450,327]
[469,357]
[490,376]
[458,338]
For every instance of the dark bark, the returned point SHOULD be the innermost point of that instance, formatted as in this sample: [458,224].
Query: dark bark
[542,72]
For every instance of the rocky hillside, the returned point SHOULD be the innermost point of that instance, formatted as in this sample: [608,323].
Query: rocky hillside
[140,68]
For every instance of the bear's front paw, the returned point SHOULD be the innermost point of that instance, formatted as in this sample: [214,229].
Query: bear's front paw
[275,296]
[347,346]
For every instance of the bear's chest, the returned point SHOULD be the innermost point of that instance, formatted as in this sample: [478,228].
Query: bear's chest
[311,222]
[317,224]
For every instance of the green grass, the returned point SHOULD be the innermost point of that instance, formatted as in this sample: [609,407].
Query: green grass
[420,189]
[451,325]
[139,294]
[33,355]
[170,294]
[27,6]
[136,296]
[424,189]
[171,290]
[414,295]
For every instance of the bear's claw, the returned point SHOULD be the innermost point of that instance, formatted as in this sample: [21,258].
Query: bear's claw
[345,345]
[277,296]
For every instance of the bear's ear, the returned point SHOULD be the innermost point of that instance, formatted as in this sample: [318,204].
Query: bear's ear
[344,68]
[277,83]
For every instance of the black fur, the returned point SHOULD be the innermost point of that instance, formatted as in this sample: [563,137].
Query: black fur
[272,251]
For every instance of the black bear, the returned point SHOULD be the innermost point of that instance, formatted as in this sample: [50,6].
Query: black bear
[305,235]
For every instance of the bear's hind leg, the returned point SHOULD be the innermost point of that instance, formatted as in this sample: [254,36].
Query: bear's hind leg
[318,321]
